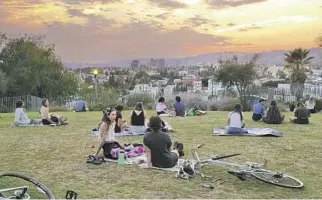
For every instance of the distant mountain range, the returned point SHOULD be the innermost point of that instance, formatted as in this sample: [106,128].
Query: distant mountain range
[270,57]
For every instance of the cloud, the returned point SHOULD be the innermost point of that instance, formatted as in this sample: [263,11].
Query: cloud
[231,3]
[169,4]
[76,42]
[249,28]
[197,21]
[267,23]
[231,24]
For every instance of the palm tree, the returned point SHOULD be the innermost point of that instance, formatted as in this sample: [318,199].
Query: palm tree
[297,62]
[319,40]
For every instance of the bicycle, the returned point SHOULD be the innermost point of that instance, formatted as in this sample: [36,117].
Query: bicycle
[21,192]
[243,170]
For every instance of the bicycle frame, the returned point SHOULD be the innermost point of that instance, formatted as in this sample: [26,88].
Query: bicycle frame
[247,168]
[23,190]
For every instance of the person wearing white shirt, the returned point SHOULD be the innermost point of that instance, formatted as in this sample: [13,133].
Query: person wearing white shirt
[106,132]
[310,105]
[161,107]
[21,117]
[235,121]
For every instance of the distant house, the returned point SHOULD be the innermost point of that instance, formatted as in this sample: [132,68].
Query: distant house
[188,80]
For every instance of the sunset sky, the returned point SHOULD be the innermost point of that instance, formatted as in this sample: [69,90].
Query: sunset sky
[108,30]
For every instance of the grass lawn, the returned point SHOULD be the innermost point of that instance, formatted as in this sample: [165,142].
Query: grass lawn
[56,157]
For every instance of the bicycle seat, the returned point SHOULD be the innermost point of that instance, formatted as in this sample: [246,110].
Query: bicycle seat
[240,175]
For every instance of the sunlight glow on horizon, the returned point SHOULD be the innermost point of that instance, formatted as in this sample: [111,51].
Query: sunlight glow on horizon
[220,26]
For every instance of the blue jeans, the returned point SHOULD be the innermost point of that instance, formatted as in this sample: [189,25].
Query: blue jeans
[235,130]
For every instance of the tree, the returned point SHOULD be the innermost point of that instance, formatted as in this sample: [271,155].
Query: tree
[319,40]
[3,83]
[34,68]
[297,62]
[242,75]
[280,74]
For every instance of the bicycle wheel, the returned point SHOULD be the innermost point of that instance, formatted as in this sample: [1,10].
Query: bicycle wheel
[40,187]
[278,179]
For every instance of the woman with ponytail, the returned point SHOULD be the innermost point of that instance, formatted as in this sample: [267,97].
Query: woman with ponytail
[235,121]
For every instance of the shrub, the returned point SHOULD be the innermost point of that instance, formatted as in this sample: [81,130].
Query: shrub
[145,98]
[227,105]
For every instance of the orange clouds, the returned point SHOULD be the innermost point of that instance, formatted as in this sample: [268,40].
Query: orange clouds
[265,24]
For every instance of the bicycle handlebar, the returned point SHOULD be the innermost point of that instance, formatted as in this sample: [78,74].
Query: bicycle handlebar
[199,146]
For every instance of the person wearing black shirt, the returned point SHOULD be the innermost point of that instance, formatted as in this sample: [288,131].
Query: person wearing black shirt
[158,146]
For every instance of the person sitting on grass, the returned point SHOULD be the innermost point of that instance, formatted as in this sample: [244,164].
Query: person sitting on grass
[259,110]
[273,115]
[138,116]
[46,119]
[138,119]
[120,123]
[106,132]
[310,105]
[21,117]
[158,146]
[179,107]
[235,121]
[161,108]
[301,115]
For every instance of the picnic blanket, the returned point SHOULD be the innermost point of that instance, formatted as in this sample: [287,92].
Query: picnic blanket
[258,132]
[133,131]
[14,124]
[141,162]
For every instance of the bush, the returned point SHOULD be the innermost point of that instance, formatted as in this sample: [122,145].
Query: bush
[145,98]
[227,105]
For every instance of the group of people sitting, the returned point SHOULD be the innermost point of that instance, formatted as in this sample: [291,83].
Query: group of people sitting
[158,145]
[272,115]
[47,118]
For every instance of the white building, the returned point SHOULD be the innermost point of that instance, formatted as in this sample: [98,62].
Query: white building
[197,86]
[145,88]
[183,73]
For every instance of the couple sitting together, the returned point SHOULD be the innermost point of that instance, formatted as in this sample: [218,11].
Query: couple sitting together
[274,116]
[158,145]
[47,118]
[178,110]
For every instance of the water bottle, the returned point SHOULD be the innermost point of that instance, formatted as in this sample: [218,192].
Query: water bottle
[121,157]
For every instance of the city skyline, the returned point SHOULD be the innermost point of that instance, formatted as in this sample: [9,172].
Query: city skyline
[109,30]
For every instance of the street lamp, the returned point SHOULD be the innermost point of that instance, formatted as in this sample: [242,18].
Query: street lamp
[95,73]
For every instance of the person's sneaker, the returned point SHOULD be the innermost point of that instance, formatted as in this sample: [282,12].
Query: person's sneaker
[179,146]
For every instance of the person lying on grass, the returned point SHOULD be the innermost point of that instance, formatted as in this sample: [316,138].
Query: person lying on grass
[235,121]
[158,146]
[106,131]
[273,115]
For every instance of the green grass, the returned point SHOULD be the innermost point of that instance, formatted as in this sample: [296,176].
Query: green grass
[56,157]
